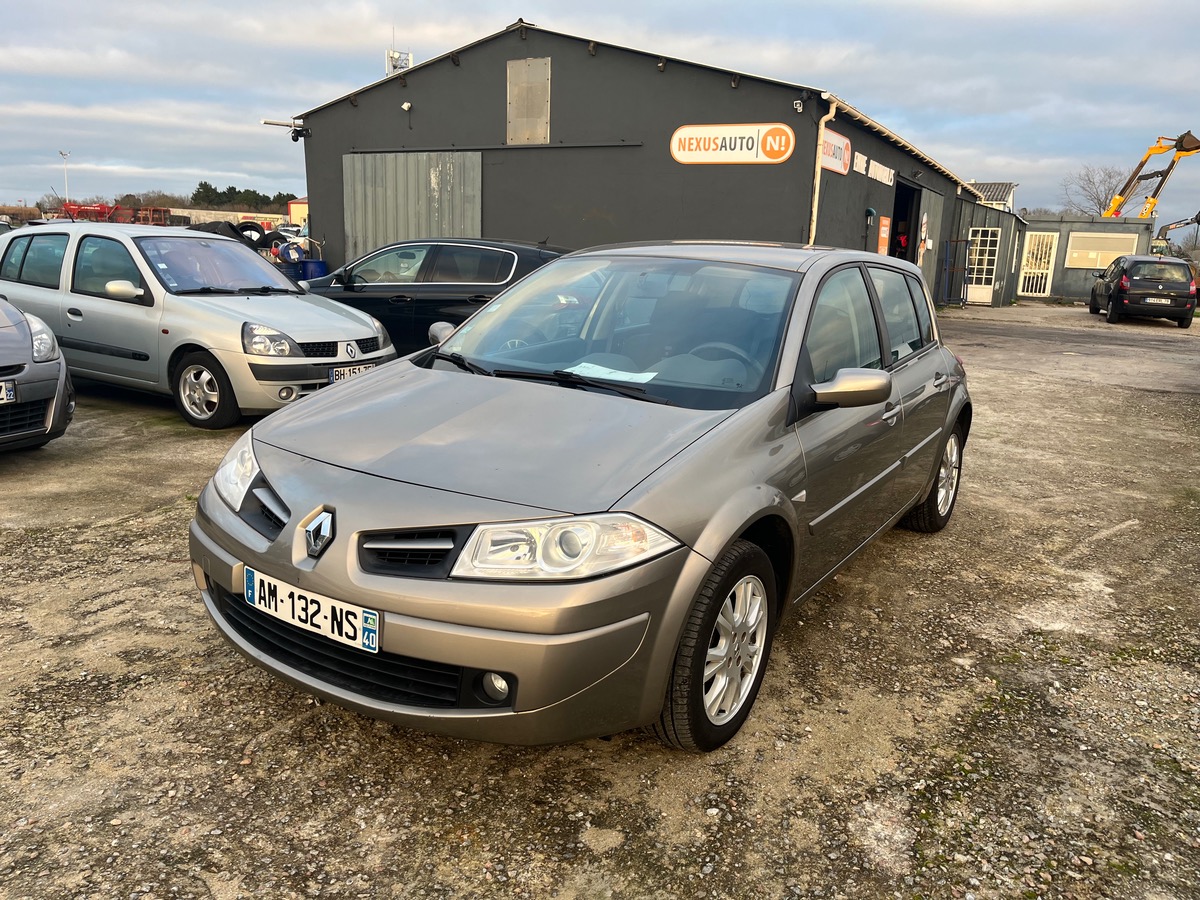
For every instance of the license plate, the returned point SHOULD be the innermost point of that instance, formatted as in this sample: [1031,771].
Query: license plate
[345,623]
[8,392]
[1166,300]
[345,373]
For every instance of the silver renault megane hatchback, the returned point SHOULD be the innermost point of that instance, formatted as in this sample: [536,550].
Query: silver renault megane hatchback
[588,507]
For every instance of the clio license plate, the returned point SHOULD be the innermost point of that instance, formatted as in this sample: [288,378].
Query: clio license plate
[339,374]
[345,623]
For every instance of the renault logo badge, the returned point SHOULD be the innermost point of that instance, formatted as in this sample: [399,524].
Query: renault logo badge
[351,350]
[319,533]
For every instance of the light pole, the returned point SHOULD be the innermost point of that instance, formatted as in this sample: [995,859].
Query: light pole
[66,188]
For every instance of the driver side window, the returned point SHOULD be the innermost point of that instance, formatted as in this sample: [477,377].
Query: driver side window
[399,265]
[842,333]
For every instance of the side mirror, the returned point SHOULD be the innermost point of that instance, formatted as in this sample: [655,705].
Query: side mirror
[339,277]
[439,331]
[123,290]
[1097,274]
[855,387]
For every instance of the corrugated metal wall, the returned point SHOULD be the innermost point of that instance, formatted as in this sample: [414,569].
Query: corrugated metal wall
[400,196]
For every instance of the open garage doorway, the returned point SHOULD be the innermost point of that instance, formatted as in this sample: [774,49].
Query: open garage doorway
[904,218]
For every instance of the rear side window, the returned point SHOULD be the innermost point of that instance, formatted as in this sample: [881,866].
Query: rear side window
[843,333]
[457,264]
[10,266]
[904,331]
[43,261]
[921,302]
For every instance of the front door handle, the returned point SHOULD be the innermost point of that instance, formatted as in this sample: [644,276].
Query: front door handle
[400,298]
[478,298]
[74,312]
[890,412]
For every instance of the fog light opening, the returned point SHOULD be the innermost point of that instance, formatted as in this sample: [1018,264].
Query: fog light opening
[495,686]
[287,394]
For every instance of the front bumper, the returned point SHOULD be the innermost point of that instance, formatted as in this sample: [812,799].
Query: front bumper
[586,658]
[43,409]
[257,382]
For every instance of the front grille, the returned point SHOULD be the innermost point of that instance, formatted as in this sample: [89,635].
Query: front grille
[320,349]
[18,417]
[329,349]
[427,553]
[382,676]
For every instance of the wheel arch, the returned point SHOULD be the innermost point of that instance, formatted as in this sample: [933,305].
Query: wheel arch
[178,354]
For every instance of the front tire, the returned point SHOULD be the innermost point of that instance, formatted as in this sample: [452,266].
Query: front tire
[933,513]
[203,393]
[722,655]
[1093,306]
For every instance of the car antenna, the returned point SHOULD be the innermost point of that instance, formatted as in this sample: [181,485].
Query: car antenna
[61,205]
[544,241]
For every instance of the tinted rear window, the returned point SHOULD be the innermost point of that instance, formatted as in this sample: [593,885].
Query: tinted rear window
[1161,271]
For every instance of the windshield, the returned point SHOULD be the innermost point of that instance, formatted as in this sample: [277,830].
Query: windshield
[694,333]
[205,265]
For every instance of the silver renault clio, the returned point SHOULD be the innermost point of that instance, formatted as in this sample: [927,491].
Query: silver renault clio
[588,507]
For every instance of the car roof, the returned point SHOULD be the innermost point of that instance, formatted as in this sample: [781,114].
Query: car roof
[787,257]
[1156,259]
[120,228]
[472,242]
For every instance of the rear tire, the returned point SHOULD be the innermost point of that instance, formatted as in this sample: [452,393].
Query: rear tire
[1113,314]
[1185,322]
[203,393]
[722,654]
[933,513]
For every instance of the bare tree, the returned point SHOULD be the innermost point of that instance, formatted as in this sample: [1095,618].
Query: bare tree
[1090,190]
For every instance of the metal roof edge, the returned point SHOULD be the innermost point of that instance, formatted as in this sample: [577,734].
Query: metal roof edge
[854,113]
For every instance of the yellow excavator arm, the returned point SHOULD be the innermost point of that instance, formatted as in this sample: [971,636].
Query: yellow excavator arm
[1184,145]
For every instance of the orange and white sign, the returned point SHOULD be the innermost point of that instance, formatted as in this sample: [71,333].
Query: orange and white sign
[885,235]
[835,152]
[768,143]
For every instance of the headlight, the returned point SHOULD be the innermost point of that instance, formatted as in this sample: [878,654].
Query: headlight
[385,339]
[558,549]
[263,340]
[237,471]
[45,346]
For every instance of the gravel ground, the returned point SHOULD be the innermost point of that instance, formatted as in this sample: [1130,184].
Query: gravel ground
[1010,708]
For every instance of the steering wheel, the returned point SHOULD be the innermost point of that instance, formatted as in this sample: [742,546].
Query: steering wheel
[727,351]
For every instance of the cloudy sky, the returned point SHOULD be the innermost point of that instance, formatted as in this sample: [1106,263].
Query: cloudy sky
[147,95]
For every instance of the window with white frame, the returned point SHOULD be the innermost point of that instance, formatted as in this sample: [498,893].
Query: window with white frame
[1092,250]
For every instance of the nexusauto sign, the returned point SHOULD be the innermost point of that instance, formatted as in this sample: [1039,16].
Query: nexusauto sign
[767,143]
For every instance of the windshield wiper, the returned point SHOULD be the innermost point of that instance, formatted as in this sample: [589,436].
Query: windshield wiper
[574,379]
[462,362]
[208,289]
[267,289]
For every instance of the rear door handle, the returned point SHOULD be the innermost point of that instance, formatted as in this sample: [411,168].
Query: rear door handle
[940,379]
[478,298]
[74,312]
[400,298]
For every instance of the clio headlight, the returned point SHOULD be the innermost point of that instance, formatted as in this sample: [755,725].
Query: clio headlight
[385,339]
[560,549]
[263,340]
[237,472]
[45,345]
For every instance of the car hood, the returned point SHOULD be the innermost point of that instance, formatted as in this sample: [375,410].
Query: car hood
[14,336]
[305,317]
[542,445]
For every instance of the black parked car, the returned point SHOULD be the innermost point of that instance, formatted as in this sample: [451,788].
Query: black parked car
[410,285]
[1157,286]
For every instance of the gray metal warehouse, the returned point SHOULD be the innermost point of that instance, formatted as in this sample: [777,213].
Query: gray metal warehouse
[535,135]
